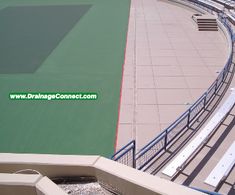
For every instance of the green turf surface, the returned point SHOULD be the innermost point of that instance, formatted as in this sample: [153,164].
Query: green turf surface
[30,33]
[89,58]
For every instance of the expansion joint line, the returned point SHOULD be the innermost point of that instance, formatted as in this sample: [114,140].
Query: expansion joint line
[134,74]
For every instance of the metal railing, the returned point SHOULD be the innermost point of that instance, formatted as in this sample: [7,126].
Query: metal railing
[126,155]
[205,191]
[182,124]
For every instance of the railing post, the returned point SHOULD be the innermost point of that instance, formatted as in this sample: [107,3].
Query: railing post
[216,81]
[188,121]
[224,71]
[204,104]
[165,142]
[134,160]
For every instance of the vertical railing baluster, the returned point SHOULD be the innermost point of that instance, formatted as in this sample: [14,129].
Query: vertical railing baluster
[165,142]
[133,151]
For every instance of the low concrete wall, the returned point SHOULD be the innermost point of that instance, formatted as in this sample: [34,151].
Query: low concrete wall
[50,165]
[127,180]
[46,187]
[18,183]
[27,184]
[131,181]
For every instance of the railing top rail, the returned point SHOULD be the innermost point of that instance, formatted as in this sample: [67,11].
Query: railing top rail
[198,101]
[205,191]
[179,119]
[123,154]
[150,144]
[121,149]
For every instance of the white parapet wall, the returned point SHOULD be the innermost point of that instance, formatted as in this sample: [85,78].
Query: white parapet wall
[123,178]
[18,183]
[27,184]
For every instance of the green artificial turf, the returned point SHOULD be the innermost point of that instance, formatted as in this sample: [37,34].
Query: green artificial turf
[89,58]
[30,33]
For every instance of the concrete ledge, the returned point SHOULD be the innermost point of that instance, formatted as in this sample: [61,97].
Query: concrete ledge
[46,187]
[50,165]
[127,180]
[131,181]
[45,159]
[22,184]
[19,179]
[19,184]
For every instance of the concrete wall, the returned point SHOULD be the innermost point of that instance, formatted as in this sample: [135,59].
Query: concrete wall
[127,180]
[27,184]
[18,183]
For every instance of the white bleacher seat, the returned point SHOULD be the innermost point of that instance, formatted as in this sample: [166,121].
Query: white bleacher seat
[220,1]
[227,3]
[213,4]
[231,18]
[232,12]
[199,140]
[223,167]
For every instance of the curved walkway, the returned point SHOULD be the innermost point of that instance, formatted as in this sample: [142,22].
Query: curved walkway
[169,64]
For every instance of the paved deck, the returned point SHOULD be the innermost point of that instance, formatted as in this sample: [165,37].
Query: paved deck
[169,64]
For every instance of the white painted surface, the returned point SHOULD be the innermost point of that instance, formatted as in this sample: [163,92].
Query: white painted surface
[223,167]
[190,149]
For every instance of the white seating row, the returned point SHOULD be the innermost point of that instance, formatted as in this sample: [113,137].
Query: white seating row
[223,167]
[231,17]
[227,3]
[199,140]
[217,7]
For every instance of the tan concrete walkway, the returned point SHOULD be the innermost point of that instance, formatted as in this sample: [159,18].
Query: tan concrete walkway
[169,64]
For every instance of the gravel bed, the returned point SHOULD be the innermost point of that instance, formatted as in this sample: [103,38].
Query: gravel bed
[93,188]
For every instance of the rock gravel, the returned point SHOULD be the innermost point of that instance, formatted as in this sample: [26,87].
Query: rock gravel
[93,188]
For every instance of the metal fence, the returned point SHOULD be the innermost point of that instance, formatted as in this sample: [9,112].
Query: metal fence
[205,191]
[159,144]
[126,155]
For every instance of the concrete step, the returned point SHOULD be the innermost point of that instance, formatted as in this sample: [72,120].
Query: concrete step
[205,22]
